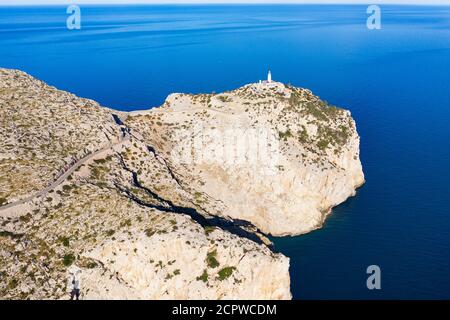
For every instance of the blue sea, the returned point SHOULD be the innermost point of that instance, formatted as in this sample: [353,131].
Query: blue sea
[395,81]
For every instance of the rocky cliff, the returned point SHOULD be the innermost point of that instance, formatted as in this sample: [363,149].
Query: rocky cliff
[271,154]
[173,202]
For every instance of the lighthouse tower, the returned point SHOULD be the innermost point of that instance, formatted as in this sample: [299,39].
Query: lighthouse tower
[269,77]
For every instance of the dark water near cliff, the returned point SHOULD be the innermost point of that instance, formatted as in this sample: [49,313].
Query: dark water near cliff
[396,82]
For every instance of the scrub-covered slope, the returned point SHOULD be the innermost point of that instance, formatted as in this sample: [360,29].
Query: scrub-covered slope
[44,130]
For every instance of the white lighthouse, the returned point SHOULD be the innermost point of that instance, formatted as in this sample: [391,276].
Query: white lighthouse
[269,77]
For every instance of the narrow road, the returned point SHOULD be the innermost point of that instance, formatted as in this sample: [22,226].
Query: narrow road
[66,174]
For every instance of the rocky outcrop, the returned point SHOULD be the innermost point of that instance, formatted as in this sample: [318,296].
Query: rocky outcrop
[274,155]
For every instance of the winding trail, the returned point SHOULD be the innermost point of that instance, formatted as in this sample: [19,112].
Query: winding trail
[67,173]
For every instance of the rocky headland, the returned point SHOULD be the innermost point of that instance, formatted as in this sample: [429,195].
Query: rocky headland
[174,202]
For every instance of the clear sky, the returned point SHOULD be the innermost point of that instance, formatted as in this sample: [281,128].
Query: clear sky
[37,2]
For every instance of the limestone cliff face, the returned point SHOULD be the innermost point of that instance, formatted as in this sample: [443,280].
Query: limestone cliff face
[274,155]
[187,264]
[135,226]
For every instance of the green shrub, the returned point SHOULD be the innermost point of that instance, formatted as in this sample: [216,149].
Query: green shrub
[211,260]
[68,259]
[315,110]
[209,229]
[100,161]
[3,201]
[303,135]
[102,185]
[10,234]
[285,135]
[65,241]
[294,99]
[203,277]
[224,98]
[225,273]
[25,218]
[13,284]
[323,144]
[126,223]
[149,232]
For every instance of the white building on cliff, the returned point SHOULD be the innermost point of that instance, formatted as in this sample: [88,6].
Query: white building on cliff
[269,78]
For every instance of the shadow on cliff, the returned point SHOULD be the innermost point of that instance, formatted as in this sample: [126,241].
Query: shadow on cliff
[237,227]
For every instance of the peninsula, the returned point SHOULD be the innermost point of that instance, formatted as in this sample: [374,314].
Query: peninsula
[173,202]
